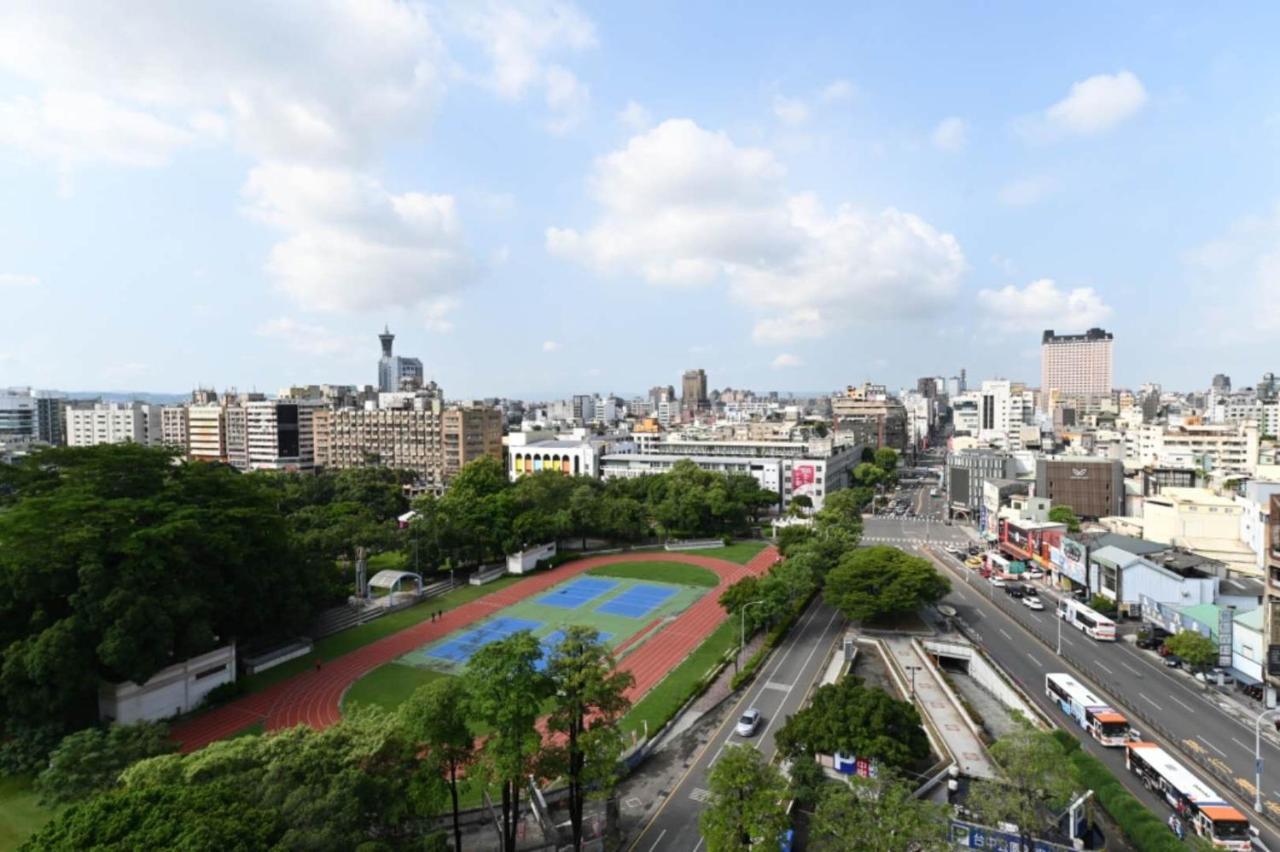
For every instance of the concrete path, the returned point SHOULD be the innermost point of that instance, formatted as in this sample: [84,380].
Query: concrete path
[933,701]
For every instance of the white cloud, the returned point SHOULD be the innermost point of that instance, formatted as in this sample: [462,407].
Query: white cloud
[1098,104]
[1027,191]
[790,110]
[785,360]
[13,279]
[353,245]
[1043,304]
[838,90]
[307,338]
[550,346]
[1242,267]
[567,98]
[681,205]
[950,134]
[635,116]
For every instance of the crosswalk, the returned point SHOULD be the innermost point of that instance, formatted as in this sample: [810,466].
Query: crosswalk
[875,539]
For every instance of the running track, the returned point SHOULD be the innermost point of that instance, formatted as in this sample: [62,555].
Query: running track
[314,697]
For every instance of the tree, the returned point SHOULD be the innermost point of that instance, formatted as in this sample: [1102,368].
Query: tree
[878,814]
[90,761]
[868,475]
[506,689]
[843,509]
[855,720]
[801,505]
[589,700]
[886,458]
[746,802]
[1194,647]
[879,582]
[435,717]
[1102,604]
[1036,781]
[1065,515]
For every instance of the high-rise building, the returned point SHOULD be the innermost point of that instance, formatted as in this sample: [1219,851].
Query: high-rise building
[51,417]
[405,437]
[469,432]
[693,387]
[394,372]
[1075,365]
[206,432]
[97,423]
[173,427]
[17,415]
[870,416]
[927,387]
[279,434]
[1221,383]
[1268,386]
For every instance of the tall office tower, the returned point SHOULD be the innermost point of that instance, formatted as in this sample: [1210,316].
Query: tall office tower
[1268,386]
[51,417]
[693,386]
[394,372]
[17,414]
[1075,365]
[1221,383]
[173,427]
[927,387]
[964,382]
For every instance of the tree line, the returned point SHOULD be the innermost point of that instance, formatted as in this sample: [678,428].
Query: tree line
[374,781]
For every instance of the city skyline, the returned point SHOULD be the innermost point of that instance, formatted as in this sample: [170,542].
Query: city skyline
[517,190]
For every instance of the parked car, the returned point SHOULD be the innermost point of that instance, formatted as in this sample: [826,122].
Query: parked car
[1173,661]
[973,562]
[748,723]
[1032,602]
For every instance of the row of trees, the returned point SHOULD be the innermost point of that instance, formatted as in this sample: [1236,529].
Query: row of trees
[484,515]
[375,780]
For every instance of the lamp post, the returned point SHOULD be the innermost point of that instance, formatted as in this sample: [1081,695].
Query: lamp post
[743,641]
[913,670]
[1257,758]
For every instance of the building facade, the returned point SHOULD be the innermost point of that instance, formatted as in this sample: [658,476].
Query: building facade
[693,387]
[92,424]
[173,427]
[1092,487]
[206,432]
[871,417]
[396,373]
[1075,364]
[405,438]
[966,472]
[469,432]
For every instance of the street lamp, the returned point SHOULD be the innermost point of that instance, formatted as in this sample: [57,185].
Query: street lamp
[743,641]
[1257,758]
[913,670]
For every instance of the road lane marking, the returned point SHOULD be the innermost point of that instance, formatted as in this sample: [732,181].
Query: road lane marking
[979,613]
[1131,668]
[701,794]
[659,840]
[1005,635]
[1149,701]
[781,687]
[816,645]
[1034,660]
[1242,745]
[1211,745]
[1100,665]
[1180,704]
[699,846]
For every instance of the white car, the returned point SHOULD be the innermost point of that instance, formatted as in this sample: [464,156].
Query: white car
[1032,603]
[997,582]
[748,723]
[1034,574]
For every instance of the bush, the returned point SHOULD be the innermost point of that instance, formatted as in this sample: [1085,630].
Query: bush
[225,692]
[1106,606]
[1145,830]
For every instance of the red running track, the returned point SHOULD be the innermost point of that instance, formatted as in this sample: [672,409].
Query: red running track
[314,697]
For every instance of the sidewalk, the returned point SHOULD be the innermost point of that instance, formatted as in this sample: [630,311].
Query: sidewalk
[934,702]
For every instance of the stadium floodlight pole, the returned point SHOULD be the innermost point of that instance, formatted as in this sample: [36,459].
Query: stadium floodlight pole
[1257,758]
[737,659]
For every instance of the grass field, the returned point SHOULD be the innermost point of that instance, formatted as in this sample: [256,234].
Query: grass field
[20,812]
[740,552]
[662,702]
[388,686]
[662,572]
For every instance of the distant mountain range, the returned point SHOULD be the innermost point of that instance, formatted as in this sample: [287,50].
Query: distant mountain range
[129,396]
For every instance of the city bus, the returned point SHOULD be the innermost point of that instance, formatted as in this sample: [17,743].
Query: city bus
[1205,811]
[1088,710]
[1095,625]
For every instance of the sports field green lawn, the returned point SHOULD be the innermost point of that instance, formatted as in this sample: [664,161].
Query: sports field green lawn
[20,812]
[661,572]
[389,685]
[740,551]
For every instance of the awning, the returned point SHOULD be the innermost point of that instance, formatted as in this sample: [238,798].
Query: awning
[1244,678]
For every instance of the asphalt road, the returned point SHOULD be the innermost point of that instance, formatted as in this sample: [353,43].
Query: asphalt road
[778,691]
[1163,705]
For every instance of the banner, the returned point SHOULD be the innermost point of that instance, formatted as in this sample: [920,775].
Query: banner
[802,480]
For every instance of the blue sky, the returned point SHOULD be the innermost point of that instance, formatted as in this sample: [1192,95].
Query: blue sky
[543,198]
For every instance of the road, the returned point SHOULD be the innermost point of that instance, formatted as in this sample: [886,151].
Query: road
[778,691]
[1161,704]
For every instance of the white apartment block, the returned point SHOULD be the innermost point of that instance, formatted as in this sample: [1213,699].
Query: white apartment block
[1225,448]
[114,423]
[279,434]
[206,433]
[173,427]
[1075,365]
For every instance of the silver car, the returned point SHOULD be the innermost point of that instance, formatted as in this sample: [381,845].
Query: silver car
[748,723]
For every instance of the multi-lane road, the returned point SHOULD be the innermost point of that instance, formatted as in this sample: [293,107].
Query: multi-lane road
[778,691]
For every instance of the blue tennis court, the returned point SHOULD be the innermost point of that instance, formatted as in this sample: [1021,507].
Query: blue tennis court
[551,640]
[638,601]
[460,648]
[574,594]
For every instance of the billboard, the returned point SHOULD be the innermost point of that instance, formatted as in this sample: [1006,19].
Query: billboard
[802,480]
[1073,562]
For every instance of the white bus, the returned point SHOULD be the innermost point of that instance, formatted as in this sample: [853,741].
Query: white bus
[1088,710]
[1205,811]
[1094,624]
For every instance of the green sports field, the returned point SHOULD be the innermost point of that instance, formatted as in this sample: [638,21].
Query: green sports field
[639,594]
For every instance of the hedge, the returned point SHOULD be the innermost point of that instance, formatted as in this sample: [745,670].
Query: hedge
[1146,831]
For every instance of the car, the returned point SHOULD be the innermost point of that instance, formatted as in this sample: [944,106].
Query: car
[1173,661]
[1030,591]
[748,723]
[998,583]
[1032,602]
[1034,574]
[1013,591]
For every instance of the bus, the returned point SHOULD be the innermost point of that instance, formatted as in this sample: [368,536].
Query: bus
[1088,710]
[1205,811]
[1095,625]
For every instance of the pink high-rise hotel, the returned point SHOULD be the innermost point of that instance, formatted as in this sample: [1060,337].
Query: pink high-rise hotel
[1075,365]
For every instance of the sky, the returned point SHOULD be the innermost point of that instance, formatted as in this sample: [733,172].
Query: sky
[543,198]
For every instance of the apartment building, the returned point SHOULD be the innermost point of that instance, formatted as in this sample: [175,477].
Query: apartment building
[91,424]
[467,433]
[279,434]
[1075,364]
[1216,447]
[871,416]
[206,432]
[407,437]
[173,427]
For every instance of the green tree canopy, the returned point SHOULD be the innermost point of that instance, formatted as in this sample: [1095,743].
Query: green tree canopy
[435,718]
[747,802]
[881,581]
[1065,515]
[858,721]
[877,814]
[90,761]
[1036,781]
[1194,647]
